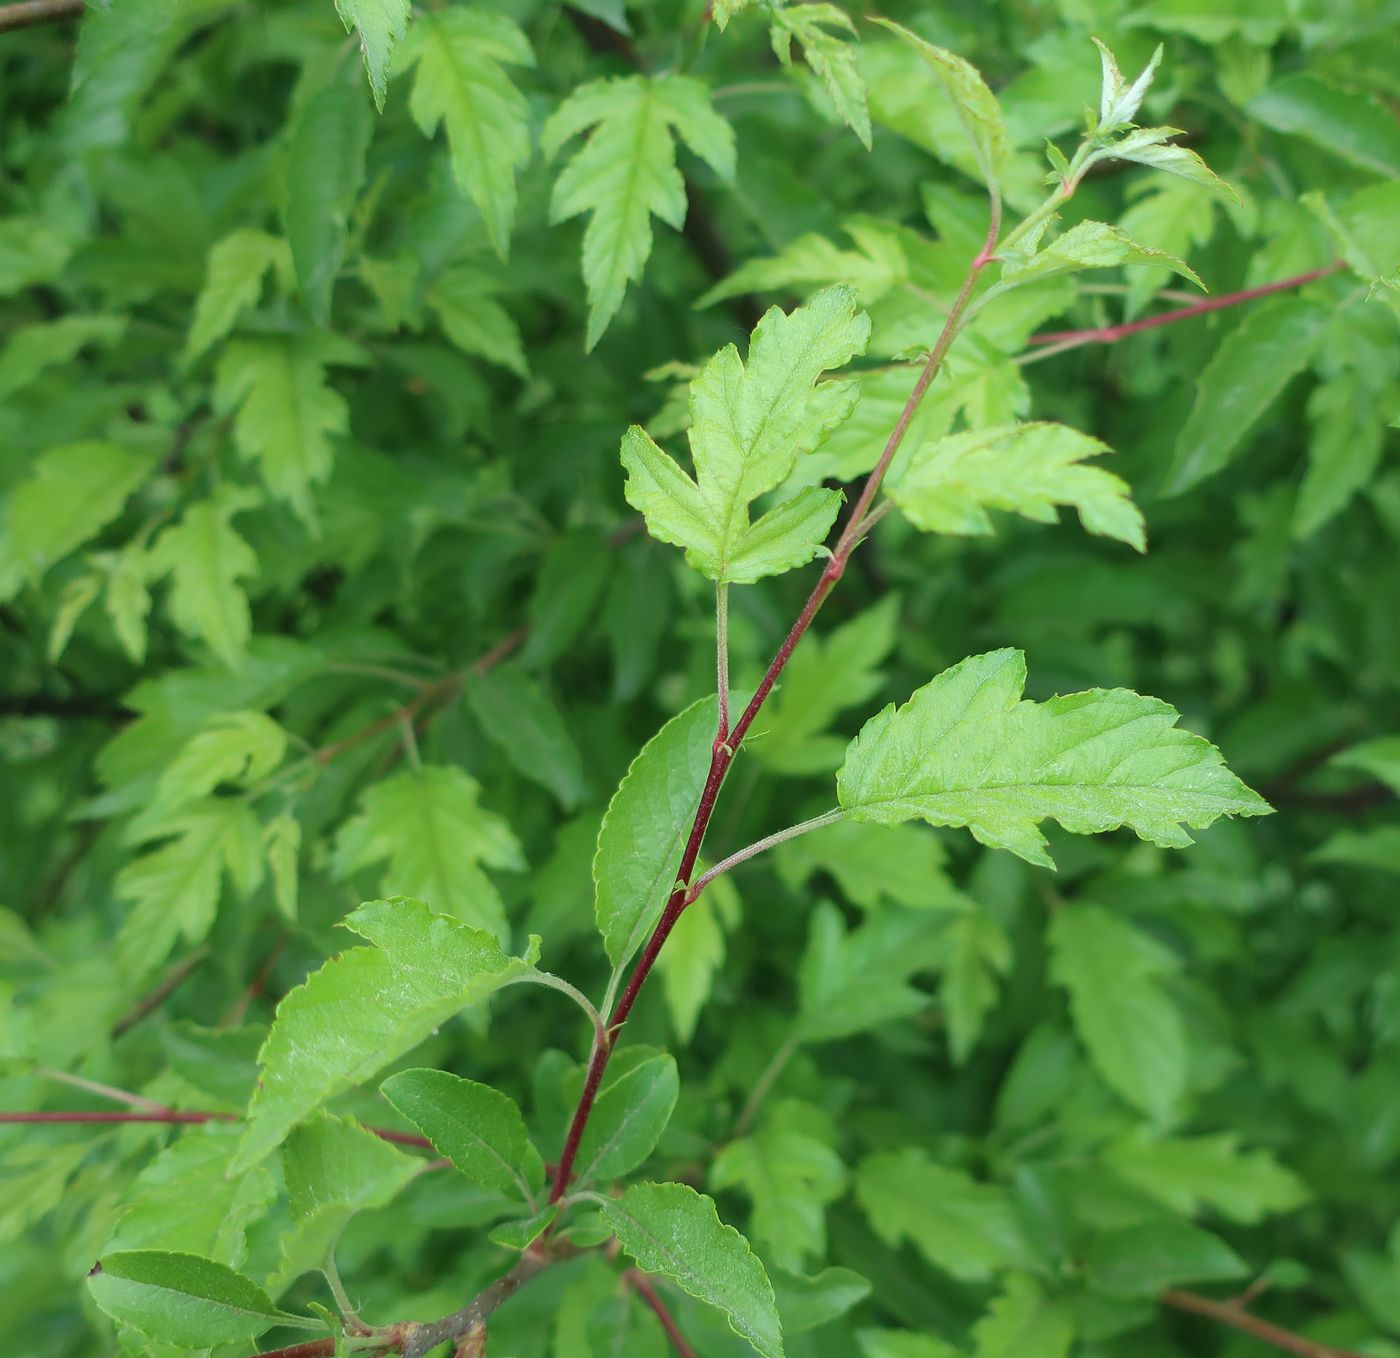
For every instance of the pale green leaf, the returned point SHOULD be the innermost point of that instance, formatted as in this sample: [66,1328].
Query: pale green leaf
[381,24]
[430,830]
[967,750]
[725,10]
[333,1169]
[1088,245]
[1211,22]
[462,82]
[478,1128]
[1119,101]
[644,831]
[672,1230]
[517,715]
[627,1121]
[474,321]
[903,1344]
[1149,146]
[791,1173]
[749,423]
[1132,1029]
[975,951]
[367,1007]
[33,1178]
[1028,469]
[1022,1321]
[1249,371]
[181,1298]
[231,747]
[78,596]
[977,107]
[694,954]
[128,601]
[626,173]
[1380,758]
[966,1228]
[282,840]
[233,281]
[832,59]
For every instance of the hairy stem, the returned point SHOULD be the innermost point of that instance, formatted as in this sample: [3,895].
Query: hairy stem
[1234,1315]
[761,846]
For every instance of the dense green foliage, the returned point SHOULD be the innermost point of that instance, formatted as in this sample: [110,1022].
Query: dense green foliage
[363,371]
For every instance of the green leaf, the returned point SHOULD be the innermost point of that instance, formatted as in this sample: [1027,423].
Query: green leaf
[976,950]
[1149,146]
[1142,1260]
[749,423]
[381,24]
[1344,451]
[285,411]
[977,107]
[71,494]
[474,321]
[367,1007]
[325,172]
[1355,126]
[1253,365]
[967,750]
[427,825]
[672,1230]
[1023,1321]
[1191,1173]
[832,59]
[1028,469]
[903,1344]
[33,349]
[231,747]
[282,840]
[1088,245]
[206,559]
[233,282]
[791,1173]
[873,864]
[849,982]
[805,1303]
[478,1128]
[524,1231]
[181,1298]
[517,715]
[631,1113]
[462,83]
[1380,758]
[333,1169]
[694,954]
[1133,1031]
[644,830]
[626,173]
[964,1227]
[1118,101]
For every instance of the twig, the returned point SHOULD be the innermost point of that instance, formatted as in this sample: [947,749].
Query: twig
[103,1091]
[173,979]
[27,13]
[762,1085]
[1234,1315]
[644,1288]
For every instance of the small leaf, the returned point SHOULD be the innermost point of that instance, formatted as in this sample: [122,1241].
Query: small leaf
[1119,101]
[381,24]
[34,349]
[1025,468]
[474,321]
[231,747]
[181,1298]
[833,60]
[233,282]
[522,1233]
[672,1230]
[1149,146]
[478,1128]
[282,840]
[967,750]
[1089,245]
[1380,758]
[366,1008]
[516,714]
[631,1113]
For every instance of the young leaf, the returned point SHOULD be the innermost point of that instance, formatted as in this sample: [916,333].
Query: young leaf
[1149,146]
[232,283]
[1088,245]
[643,833]
[381,24]
[1025,468]
[1119,101]
[461,82]
[478,1128]
[967,750]
[672,1230]
[285,411]
[365,1009]
[516,714]
[181,1298]
[964,1227]
[1250,369]
[333,1169]
[1133,1031]
[626,173]
[694,954]
[749,422]
[832,59]
[790,1173]
[631,1113]
[430,829]
[977,107]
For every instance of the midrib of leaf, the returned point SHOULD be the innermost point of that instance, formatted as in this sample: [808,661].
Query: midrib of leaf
[634,165]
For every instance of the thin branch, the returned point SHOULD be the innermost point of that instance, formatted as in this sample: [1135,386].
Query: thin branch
[761,846]
[762,1085]
[104,1091]
[1111,334]
[173,979]
[646,1290]
[1234,1315]
[30,12]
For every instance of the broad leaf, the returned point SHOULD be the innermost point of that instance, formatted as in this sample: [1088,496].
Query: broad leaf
[365,1009]
[644,831]
[461,82]
[631,1113]
[749,423]
[429,829]
[873,864]
[35,349]
[626,173]
[1380,758]
[1027,469]
[478,1128]
[672,1230]
[967,750]
[1132,1030]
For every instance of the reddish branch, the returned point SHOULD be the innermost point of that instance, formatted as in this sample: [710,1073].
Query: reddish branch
[30,12]
[646,1290]
[1233,1314]
[1111,334]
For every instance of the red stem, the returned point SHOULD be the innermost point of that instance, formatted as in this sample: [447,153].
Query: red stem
[175,1116]
[1111,334]
[1234,1315]
[726,744]
[648,1293]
